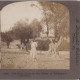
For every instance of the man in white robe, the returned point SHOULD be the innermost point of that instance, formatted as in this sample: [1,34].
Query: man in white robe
[33,52]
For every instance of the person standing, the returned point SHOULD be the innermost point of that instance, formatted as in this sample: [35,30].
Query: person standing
[33,52]
[51,48]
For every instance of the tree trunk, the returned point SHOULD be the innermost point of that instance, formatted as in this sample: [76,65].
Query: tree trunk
[57,44]
[22,43]
[26,44]
[8,43]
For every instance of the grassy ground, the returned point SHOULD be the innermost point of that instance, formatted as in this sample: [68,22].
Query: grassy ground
[18,59]
[15,58]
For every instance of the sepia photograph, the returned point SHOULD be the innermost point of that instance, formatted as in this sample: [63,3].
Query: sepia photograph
[35,35]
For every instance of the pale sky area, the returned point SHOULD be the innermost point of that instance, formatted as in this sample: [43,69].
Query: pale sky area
[14,12]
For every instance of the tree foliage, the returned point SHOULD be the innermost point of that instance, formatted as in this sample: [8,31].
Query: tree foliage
[23,30]
[57,15]
[6,37]
[36,28]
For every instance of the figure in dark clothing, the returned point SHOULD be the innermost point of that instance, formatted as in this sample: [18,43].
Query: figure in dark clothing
[24,43]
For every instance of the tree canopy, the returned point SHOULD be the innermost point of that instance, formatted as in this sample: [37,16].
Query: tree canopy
[57,15]
[6,37]
[23,30]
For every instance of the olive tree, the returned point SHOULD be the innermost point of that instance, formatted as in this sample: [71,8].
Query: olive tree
[24,31]
[36,28]
[6,37]
[56,17]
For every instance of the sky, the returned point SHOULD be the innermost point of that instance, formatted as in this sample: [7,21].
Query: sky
[14,12]
[20,11]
